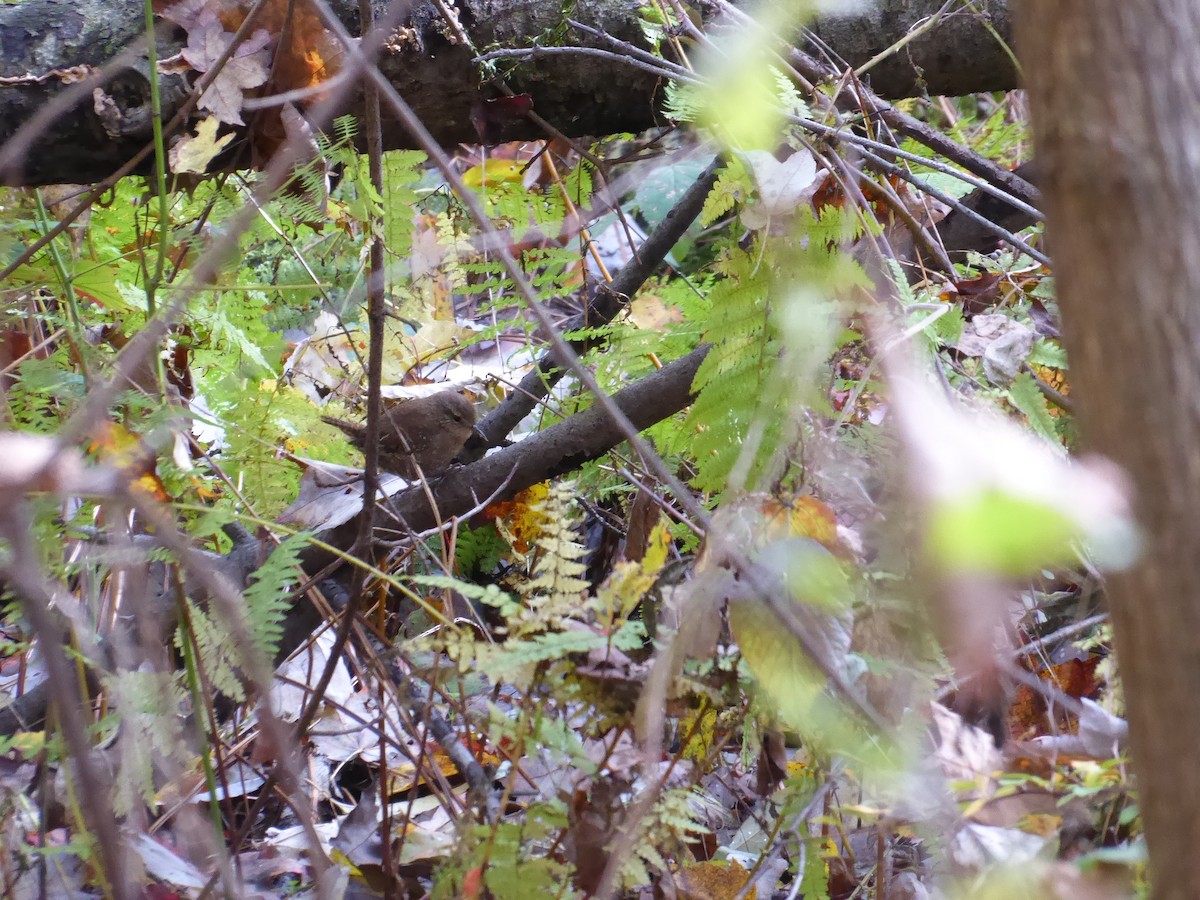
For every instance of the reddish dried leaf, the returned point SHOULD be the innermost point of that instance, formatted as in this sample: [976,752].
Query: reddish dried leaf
[1075,677]
[979,294]
[490,117]
[472,885]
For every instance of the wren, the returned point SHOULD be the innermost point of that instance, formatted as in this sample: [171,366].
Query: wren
[424,434]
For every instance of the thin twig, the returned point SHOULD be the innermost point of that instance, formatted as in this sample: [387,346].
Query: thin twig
[1033,647]
[451,522]
[885,166]
[22,574]
[535,53]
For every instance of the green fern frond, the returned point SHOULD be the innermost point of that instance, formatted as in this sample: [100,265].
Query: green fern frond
[266,604]
[895,274]
[215,653]
[684,102]
[268,593]
[1027,397]
[730,382]
[151,731]
[303,207]
[788,96]
[731,188]
[770,319]
[402,172]
[345,128]
[504,662]
[40,386]
[480,549]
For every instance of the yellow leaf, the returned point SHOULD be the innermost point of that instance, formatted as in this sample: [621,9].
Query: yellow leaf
[494,171]
[650,312]
[194,154]
[657,548]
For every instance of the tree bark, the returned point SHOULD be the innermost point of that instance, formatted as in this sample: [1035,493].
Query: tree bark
[1115,93]
[578,95]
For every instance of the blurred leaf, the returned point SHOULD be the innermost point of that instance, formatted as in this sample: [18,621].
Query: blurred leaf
[660,189]
[991,531]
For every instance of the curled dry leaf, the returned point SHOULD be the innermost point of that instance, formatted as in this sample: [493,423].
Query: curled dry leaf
[1004,345]
[782,186]
[965,753]
[332,495]
[1101,735]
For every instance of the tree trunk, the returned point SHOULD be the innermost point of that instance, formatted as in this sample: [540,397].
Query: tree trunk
[1115,94]
[436,75]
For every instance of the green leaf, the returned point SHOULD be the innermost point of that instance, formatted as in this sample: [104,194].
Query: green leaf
[223,330]
[949,326]
[1027,397]
[661,189]
[741,106]
[997,533]
[1049,353]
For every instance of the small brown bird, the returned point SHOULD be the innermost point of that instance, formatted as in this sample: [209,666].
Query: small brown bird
[426,433]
